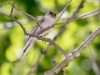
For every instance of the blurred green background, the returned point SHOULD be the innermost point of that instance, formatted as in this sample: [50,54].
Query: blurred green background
[12,38]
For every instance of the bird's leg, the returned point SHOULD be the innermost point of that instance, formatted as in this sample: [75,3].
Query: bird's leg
[43,41]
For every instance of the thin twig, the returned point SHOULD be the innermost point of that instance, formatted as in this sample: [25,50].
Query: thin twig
[95,12]
[92,13]
[63,11]
[14,18]
[4,14]
[16,22]
[75,13]
[12,7]
[25,13]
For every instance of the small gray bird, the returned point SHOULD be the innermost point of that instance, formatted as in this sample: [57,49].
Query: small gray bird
[46,21]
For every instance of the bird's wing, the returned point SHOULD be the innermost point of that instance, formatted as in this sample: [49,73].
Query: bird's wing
[34,30]
[41,20]
[37,26]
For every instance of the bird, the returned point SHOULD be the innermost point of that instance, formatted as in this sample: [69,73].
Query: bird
[46,21]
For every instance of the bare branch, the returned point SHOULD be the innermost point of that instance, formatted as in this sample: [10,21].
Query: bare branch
[24,13]
[70,19]
[74,54]
[16,22]
[14,18]
[53,43]
[50,41]
[75,13]
[95,12]
[89,14]
[59,33]
[63,11]
[63,71]
[12,7]
[4,14]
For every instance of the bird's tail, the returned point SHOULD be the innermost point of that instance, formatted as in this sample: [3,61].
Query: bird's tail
[26,48]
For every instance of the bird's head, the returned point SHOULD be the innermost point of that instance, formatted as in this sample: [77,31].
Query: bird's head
[52,14]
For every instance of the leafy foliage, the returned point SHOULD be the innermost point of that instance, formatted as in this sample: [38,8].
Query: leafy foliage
[12,39]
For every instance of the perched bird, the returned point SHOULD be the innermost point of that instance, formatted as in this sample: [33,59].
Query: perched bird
[46,21]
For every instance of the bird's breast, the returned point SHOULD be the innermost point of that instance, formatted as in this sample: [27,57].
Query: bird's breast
[47,23]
